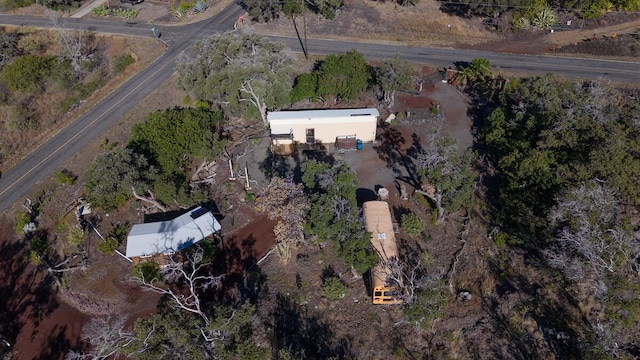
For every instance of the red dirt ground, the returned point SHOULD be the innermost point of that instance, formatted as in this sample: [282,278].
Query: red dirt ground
[38,325]
[46,328]
[245,246]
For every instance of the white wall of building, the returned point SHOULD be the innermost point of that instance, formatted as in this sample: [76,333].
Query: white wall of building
[327,125]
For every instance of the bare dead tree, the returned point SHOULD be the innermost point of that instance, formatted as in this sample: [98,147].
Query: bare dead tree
[286,201]
[591,238]
[254,98]
[106,337]
[73,46]
[193,274]
[411,277]
[204,174]
[150,200]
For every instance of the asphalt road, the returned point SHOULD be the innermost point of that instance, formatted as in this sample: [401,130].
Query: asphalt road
[17,181]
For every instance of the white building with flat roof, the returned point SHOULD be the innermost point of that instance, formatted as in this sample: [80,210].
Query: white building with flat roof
[325,125]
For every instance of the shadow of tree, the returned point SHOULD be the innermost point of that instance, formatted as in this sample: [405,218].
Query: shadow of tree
[27,292]
[238,259]
[57,343]
[302,334]
[363,195]
[389,149]
[546,315]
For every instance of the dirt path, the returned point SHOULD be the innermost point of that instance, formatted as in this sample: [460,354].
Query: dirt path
[560,38]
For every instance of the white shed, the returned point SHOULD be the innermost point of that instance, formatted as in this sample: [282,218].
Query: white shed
[165,237]
[325,126]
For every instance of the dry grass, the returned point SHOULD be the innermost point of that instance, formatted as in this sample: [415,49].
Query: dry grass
[144,51]
[385,21]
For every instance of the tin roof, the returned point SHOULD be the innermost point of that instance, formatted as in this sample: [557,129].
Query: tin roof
[325,114]
[173,235]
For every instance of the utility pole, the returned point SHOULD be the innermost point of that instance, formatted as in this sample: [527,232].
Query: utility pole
[304,30]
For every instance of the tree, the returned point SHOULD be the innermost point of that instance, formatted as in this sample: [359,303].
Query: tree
[113,174]
[447,176]
[596,250]
[304,87]
[176,334]
[245,74]
[9,48]
[285,201]
[393,74]
[26,71]
[326,8]
[170,139]
[412,224]
[547,135]
[263,10]
[334,215]
[591,237]
[77,47]
[478,76]
[193,327]
[106,337]
[343,77]
[193,274]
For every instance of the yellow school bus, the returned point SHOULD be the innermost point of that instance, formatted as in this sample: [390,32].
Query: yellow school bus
[377,218]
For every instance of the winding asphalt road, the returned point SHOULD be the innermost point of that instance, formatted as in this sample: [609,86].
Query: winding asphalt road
[16,182]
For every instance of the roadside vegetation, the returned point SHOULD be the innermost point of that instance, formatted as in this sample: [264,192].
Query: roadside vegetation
[45,75]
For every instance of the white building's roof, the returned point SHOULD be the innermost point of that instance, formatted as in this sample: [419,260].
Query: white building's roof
[324,115]
[171,236]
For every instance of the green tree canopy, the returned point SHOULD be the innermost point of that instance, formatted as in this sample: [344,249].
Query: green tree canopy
[175,334]
[304,87]
[393,74]
[334,215]
[343,77]
[110,178]
[244,74]
[446,174]
[27,71]
[548,135]
[171,138]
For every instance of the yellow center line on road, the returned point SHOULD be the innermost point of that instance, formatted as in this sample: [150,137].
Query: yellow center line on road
[83,129]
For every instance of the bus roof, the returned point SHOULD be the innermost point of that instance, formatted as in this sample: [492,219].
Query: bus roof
[377,218]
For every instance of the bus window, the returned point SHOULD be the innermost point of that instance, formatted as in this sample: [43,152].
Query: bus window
[377,293]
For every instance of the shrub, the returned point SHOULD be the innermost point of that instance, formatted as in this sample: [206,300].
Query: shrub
[149,271]
[427,305]
[412,224]
[249,197]
[544,19]
[333,288]
[108,245]
[66,177]
[14,4]
[75,237]
[117,12]
[22,219]
[118,232]
[39,247]
[200,6]
[121,62]
[27,71]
